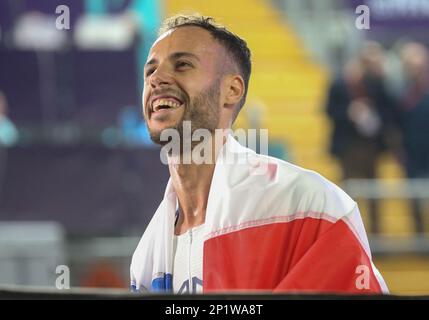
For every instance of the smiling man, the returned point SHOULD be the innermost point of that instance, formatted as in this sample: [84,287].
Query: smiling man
[226,225]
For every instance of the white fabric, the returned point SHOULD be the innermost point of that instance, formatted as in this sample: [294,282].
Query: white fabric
[188,261]
[243,196]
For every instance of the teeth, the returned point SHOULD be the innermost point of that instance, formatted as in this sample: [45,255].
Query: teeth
[164,102]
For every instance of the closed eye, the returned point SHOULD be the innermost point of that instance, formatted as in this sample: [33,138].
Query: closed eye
[183,64]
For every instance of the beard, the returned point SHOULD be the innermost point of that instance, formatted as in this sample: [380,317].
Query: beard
[202,112]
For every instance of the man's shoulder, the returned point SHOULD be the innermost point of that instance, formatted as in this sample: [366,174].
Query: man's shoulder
[285,172]
[308,188]
[280,173]
[308,180]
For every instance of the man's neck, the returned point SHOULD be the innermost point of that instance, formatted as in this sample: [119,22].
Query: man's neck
[192,185]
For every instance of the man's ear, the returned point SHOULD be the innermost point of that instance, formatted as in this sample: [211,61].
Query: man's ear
[234,89]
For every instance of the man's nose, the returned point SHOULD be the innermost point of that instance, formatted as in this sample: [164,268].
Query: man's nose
[160,77]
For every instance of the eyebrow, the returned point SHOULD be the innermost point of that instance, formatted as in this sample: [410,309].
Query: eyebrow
[174,56]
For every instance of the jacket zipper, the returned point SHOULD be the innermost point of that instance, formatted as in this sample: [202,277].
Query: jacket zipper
[189,261]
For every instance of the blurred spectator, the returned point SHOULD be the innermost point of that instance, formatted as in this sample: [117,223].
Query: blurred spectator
[8,132]
[414,115]
[394,70]
[361,111]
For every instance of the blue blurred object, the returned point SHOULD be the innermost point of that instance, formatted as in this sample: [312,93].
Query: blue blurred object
[133,129]
[8,132]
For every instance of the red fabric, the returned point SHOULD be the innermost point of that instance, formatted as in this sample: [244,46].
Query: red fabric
[312,255]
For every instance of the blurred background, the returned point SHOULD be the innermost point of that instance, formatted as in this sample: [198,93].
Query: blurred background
[80,179]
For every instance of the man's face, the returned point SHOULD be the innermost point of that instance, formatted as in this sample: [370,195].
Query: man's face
[182,81]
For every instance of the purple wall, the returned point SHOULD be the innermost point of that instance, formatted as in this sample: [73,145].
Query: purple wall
[90,190]
[393,19]
[89,87]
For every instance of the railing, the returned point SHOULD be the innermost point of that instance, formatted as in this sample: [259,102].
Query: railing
[392,189]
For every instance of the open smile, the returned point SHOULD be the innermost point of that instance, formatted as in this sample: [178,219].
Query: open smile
[164,104]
